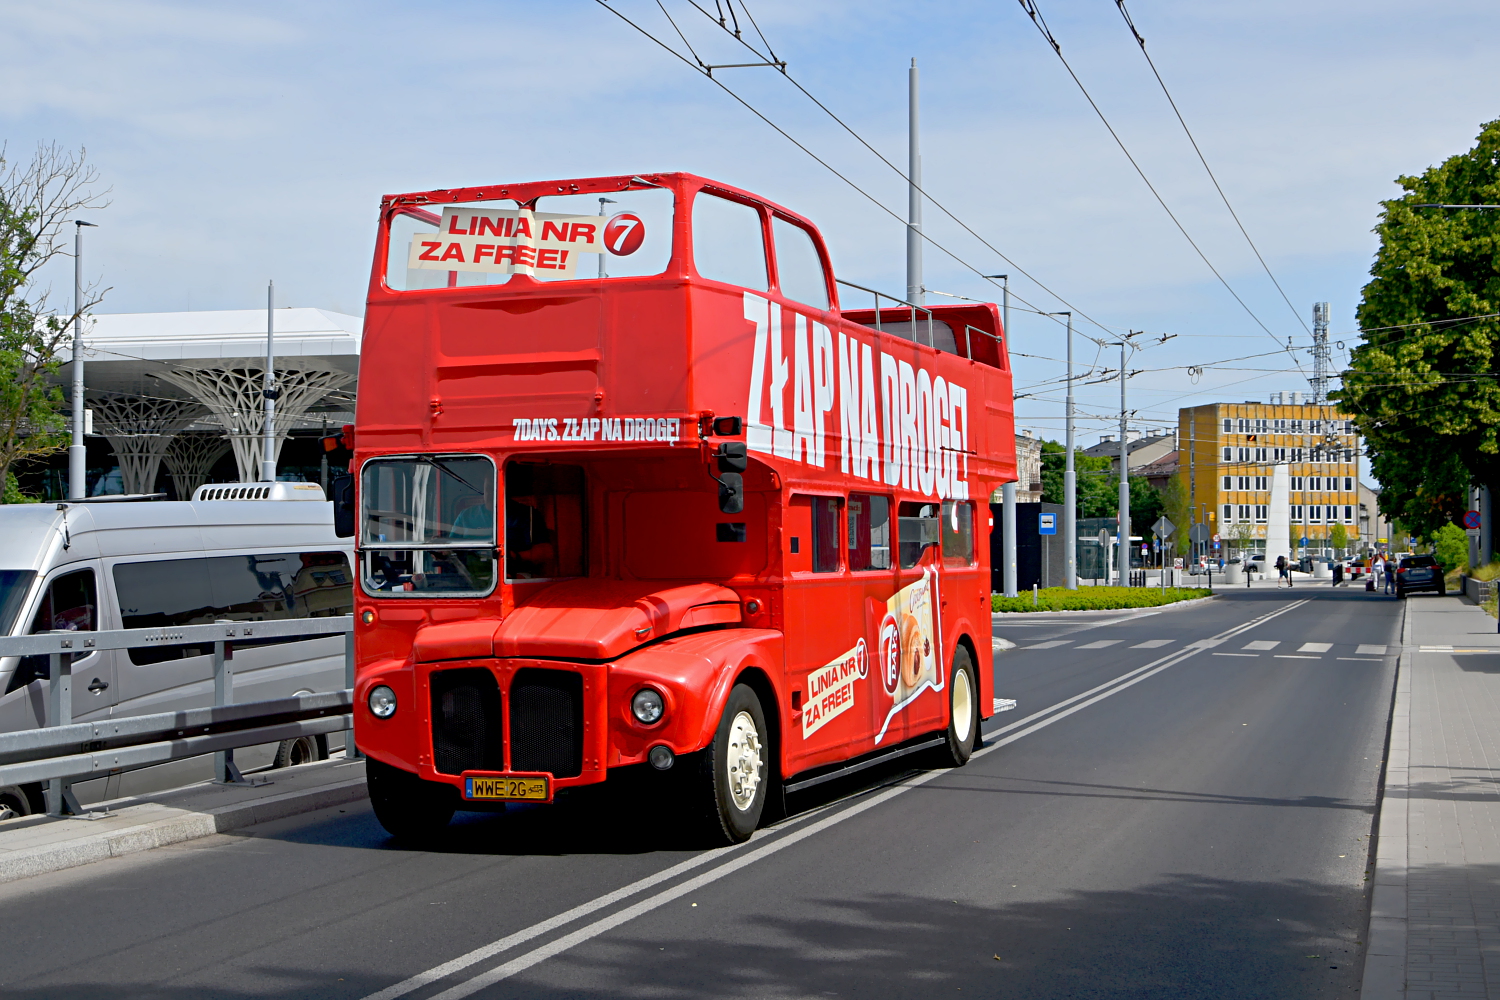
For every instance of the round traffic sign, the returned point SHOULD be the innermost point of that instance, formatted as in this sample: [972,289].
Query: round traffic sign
[1471,519]
[624,234]
[1216,538]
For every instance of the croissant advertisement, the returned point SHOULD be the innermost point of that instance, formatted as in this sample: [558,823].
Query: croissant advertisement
[908,649]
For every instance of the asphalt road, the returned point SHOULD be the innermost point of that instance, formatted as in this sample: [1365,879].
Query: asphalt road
[1156,819]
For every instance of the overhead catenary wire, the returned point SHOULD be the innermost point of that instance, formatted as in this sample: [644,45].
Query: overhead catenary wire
[1033,12]
[781,65]
[1141,41]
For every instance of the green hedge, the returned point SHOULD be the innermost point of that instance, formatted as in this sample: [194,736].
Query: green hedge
[1096,598]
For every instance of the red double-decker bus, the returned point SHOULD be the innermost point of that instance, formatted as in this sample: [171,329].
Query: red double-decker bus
[635,490]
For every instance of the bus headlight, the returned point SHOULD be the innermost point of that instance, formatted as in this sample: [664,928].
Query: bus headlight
[647,706]
[382,702]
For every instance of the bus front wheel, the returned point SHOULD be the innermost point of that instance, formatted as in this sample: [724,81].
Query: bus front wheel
[734,769]
[409,808]
[963,710]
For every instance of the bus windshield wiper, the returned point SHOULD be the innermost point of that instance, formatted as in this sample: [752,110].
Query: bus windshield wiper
[437,463]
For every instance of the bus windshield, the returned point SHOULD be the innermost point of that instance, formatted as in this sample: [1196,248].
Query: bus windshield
[428,526]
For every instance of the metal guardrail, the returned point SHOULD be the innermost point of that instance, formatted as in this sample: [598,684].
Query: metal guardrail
[64,751]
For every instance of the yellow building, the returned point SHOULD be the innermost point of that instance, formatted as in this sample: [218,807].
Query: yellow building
[1227,452]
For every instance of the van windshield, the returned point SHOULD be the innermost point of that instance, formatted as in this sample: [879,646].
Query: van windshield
[15,584]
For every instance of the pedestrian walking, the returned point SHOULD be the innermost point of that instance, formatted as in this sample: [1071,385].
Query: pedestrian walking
[1390,575]
[1283,571]
[1377,569]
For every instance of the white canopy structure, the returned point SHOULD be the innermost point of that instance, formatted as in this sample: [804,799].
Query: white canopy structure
[154,377]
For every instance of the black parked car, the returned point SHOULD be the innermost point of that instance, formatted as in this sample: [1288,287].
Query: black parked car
[1419,573]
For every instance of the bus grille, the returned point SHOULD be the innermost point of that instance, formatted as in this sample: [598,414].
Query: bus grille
[466,722]
[546,722]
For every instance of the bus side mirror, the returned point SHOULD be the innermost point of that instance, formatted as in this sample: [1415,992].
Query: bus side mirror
[731,493]
[733,456]
[342,490]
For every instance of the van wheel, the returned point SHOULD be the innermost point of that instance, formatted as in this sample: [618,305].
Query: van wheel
[733,770]
[409,808]
[963,711]
[302,750]
[13,802]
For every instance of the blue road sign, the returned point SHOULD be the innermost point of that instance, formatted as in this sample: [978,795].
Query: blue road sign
[1303,541]
[1471,519]
[1046,524]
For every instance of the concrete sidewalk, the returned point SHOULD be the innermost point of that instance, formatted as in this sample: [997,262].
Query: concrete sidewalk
[32,845]
[1435,912]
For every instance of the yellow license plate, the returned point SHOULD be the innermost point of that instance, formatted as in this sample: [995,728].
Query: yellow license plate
[532,789]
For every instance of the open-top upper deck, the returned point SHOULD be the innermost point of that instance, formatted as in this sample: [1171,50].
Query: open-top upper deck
[616,312]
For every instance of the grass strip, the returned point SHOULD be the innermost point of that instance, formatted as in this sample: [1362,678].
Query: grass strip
[1096,598]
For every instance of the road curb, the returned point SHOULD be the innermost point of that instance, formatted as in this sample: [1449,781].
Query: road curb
[188,825]
[1386,940]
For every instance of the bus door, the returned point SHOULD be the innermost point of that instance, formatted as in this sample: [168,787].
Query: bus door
[826,649]
[913,671]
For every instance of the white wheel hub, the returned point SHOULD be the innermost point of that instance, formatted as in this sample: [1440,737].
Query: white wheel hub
[744,761]
[963,706]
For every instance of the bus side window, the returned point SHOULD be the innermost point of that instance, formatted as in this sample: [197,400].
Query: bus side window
[917,524]
[799,269]
[728,243]
[958,533]
[869,532]
[825,534]
[796,534]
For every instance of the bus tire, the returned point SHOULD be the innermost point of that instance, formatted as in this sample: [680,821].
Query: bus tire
[734,771]
[409,808]
[963,710]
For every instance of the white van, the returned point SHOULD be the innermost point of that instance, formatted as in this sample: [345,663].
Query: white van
[249,552]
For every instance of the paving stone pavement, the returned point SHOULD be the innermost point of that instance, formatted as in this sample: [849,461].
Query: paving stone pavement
[1435,915]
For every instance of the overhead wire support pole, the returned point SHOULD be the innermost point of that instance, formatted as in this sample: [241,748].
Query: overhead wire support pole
[268,453]
[1070,482]
[77,448]
[1123,513]
[914,290]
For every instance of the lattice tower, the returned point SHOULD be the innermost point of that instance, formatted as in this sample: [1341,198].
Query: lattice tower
[190,457]
[139,428]
[233,395]
[1320,353]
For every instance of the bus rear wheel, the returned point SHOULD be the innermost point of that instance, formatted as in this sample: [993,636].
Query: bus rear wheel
[733,770]
[963,710]
[409,808]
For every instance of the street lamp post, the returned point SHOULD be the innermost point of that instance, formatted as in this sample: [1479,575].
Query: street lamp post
[77,451]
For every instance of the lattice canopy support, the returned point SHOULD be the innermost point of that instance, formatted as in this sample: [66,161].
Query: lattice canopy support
[233,397]
[190,457]
[139,429]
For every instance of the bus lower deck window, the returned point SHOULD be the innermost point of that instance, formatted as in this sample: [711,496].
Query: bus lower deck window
[869,532]
[825,534]
[917,525]
[958,533]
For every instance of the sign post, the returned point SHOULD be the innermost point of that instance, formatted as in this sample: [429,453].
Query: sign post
[1046,524]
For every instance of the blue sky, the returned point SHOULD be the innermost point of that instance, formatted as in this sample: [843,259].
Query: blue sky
[246,143]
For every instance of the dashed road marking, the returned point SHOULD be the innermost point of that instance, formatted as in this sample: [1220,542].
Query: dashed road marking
[1263,644]
[1317,647]
[1151,644]
[1100,643]
[1051,644]
[1367,649]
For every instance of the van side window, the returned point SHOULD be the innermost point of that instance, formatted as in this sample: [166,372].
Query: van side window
[70,604]
[267,587]
[869,532]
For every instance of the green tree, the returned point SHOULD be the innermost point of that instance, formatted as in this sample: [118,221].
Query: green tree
[1146,505]
[1420,385]
[1098,491]
[37,201]
[1338,538]
[1451,547]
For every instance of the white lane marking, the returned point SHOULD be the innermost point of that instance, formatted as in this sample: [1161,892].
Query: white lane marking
[1048,645]
[1101,643]
[1436,649]
[1294,656]
[1151,644]
[1262,644]
[1361,659]
[1078,702]
[1370,650]
[538,955]
[1320,647]
[1251,655]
